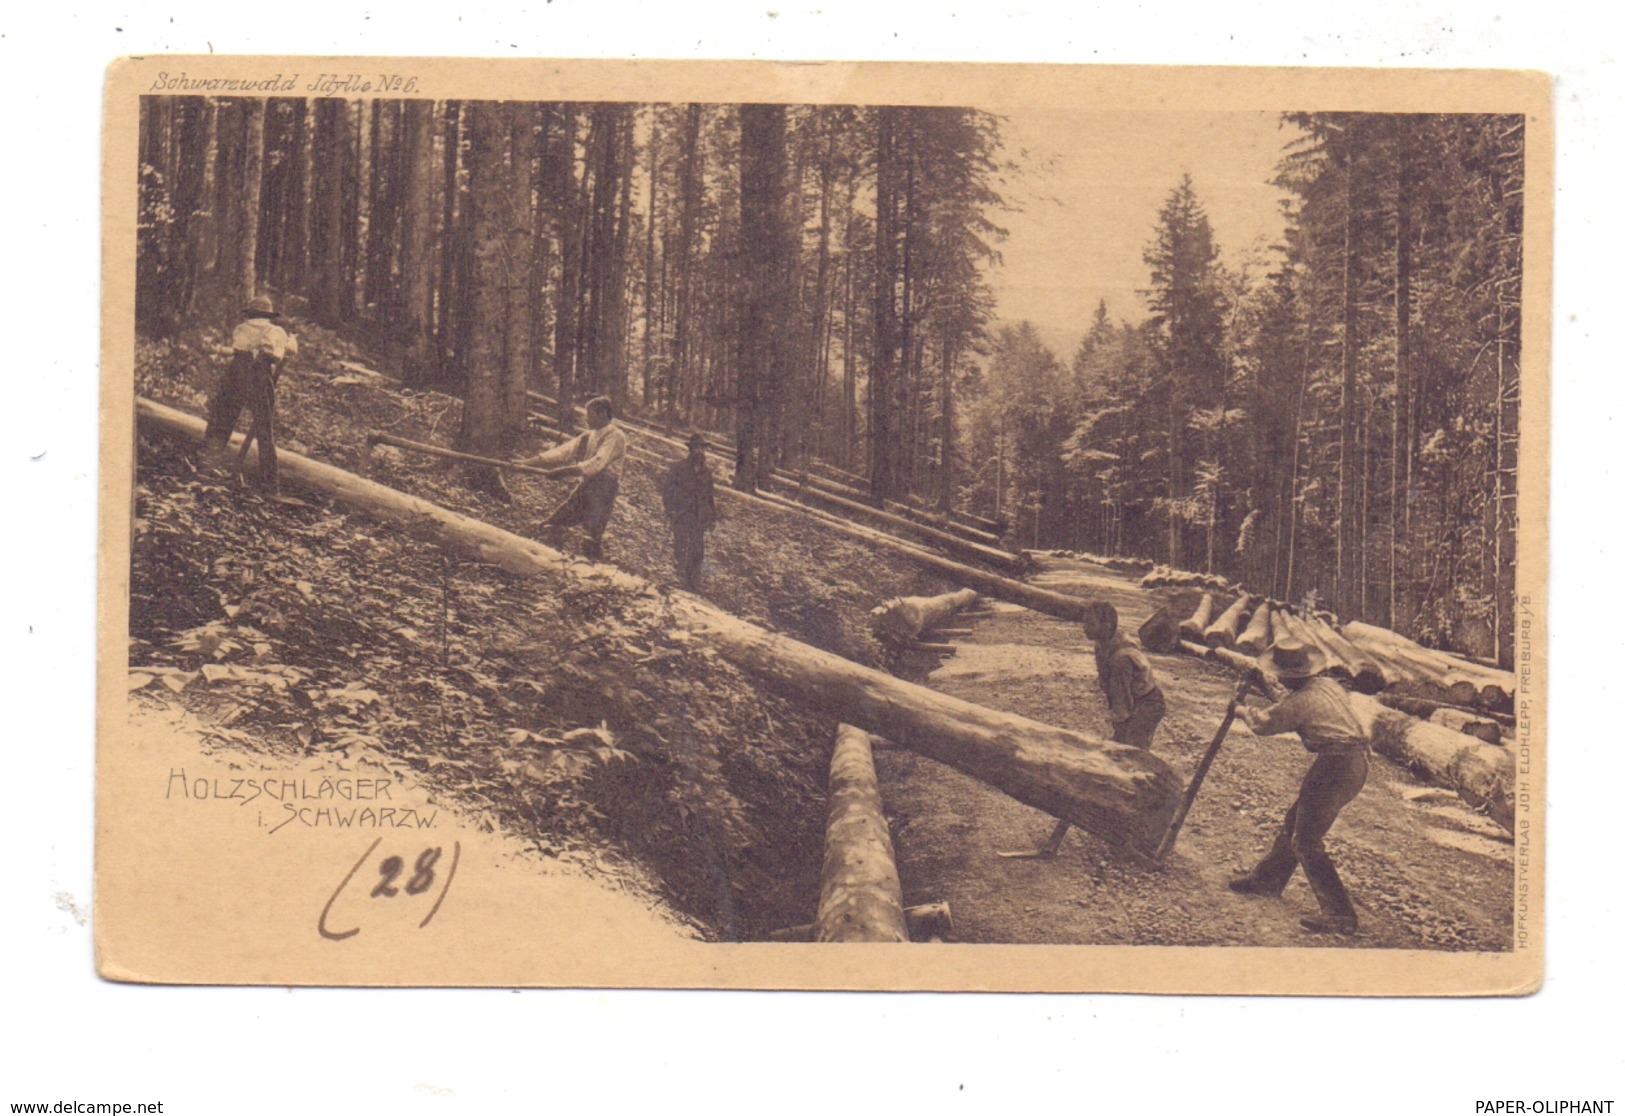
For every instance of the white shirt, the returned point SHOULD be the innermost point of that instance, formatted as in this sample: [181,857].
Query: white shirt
[605,448]
[261,335]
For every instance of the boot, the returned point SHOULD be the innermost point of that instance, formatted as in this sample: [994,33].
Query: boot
[1329,924]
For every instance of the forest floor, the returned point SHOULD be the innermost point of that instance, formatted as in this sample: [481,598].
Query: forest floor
[585,728]
[1424,871]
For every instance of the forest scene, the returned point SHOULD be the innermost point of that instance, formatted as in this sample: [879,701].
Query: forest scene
[1299,433]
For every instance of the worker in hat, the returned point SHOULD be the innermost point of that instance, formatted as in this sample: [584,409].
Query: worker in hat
[1319,711]
[595,457]
[259,347]
[689,495]
[1134,700]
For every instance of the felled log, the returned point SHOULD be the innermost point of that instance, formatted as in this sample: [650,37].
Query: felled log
[1223,631]
[1196,623]
[1489,687]
[962,549]
[1424,708]
[1471,724]
[926,922]
[1160,632]
[907,617]
[921,516]
[860,897]
[1257,636]
[1113,790]
[1482,774]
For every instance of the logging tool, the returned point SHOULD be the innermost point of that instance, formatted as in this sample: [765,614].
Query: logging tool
[1167,843]
[379,438]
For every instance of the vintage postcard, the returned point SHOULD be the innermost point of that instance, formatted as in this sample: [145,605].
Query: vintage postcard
[827,526]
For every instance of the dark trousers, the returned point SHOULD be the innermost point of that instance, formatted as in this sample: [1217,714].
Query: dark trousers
[688,552]
[249,382]
[1142,723]
[588,506]
[1331,784]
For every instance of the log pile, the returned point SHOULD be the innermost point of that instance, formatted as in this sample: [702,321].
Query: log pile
[1371,660]
[1164,577]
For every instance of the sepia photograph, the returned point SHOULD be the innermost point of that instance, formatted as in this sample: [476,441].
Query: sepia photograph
[640,524]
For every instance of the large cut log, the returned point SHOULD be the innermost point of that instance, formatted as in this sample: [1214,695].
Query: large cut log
[1424,709]
[1121,793]
[1472,724]
[1484,775]
[1223,631]
[907,617]
[1491,687]
[1257,636]
[1481,774]
[860,898]
[1196,623]
[1160,632]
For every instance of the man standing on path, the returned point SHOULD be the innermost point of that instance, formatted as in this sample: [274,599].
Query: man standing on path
[595,457]
[259,346]
[1134,701]
[689,495]
[1321,714]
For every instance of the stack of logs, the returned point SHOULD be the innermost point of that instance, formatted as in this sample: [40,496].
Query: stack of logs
[1432,710]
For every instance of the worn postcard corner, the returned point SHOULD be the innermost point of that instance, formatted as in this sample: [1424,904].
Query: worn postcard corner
[745,525]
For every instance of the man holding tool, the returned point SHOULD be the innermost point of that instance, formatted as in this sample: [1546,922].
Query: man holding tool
[595,457]
[259,346]
[1134,701]
[1318,710]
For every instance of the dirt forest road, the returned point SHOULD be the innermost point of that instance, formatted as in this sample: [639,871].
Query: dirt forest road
[1424,871]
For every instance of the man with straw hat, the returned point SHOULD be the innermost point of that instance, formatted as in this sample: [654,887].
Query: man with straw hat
[1319,711]
[258,348]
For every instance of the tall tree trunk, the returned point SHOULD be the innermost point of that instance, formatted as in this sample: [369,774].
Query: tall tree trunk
[651,296]
[1346,453]
[1399,459]
[568,236]
[883,372]
[766,303]
[519,260]
[228,184]
[415,324]
[482,425]
[447,298]
[249,219]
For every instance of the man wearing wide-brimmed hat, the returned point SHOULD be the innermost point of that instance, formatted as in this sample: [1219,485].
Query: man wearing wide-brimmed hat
[1319,711]
[259,346]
